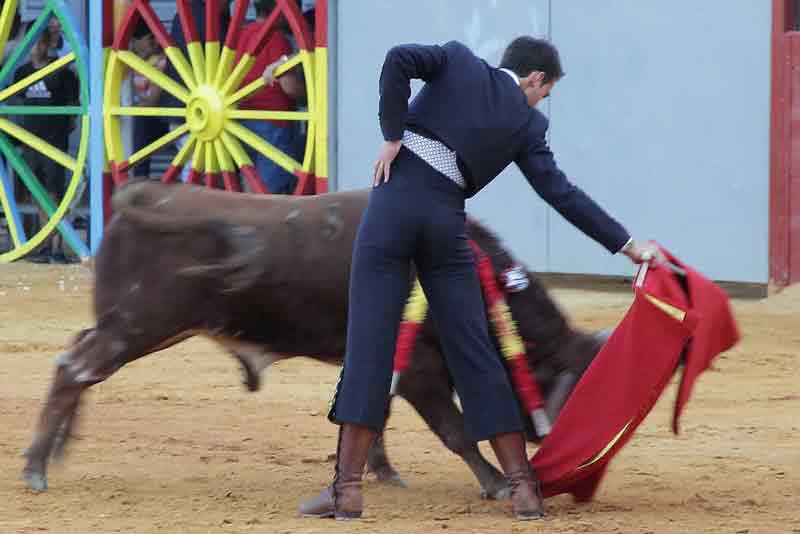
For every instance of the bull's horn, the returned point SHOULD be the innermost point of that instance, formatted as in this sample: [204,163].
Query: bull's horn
[541,422]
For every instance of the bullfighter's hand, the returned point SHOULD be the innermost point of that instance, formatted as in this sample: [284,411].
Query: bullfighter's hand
[643,252]
[269,72]
[383,166]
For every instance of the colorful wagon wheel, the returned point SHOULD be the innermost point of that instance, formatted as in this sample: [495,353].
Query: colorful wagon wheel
[16,139]
[210,90]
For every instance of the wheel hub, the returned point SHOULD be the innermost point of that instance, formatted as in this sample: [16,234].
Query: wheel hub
[205,113]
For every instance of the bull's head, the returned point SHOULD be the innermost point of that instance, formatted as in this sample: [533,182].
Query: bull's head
[557,353]
[558,374]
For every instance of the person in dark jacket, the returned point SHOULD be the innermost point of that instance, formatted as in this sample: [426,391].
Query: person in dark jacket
[468,122]
[198,8]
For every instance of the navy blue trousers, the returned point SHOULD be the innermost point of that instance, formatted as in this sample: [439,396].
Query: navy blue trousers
[419,216]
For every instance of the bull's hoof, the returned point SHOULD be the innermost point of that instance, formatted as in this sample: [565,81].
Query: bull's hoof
[35,480]
[385,474]
[499,494]
[393,479]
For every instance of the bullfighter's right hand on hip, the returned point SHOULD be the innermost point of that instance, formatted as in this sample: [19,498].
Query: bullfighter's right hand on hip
[383,166]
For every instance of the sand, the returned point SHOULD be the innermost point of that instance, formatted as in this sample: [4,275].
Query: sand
[173,443]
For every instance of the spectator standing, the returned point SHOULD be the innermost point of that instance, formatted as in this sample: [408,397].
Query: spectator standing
[198,8]
[59,45]
[59,88]
[146,130]
[279,95]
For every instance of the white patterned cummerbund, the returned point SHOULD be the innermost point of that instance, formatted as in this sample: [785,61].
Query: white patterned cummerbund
[435,154]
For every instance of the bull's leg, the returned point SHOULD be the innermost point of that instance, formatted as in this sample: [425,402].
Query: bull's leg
[428,390]
[64,432]
[58,410]
[378,463]
[71,408]
[93,359]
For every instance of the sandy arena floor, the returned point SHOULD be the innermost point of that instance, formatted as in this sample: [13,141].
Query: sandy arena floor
[174,444]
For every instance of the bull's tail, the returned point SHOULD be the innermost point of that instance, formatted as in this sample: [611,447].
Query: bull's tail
[236,269]
[130,194]
[148,219]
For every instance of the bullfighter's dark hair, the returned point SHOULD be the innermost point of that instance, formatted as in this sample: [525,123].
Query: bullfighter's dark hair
[528,54]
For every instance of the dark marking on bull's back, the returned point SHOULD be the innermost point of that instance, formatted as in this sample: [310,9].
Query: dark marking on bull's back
[334,222]
[293,221]
[248,259]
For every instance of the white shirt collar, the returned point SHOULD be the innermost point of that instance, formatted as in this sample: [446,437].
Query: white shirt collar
[512,74]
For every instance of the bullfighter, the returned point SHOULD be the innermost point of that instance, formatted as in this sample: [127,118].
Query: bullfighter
[468,122]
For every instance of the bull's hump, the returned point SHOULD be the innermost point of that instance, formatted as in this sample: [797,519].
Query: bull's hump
[136,194]
[184,197]
[176,207]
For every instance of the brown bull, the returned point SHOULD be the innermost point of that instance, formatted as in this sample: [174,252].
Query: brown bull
[267,278]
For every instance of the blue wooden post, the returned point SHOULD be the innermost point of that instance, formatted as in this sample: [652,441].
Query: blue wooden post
[96,142]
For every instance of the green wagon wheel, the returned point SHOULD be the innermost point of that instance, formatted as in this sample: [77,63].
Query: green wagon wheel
[73,163]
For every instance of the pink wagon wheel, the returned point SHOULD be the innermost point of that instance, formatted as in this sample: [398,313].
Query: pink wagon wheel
[209,89]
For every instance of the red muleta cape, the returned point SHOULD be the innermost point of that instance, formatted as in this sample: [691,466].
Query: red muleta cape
[671,316]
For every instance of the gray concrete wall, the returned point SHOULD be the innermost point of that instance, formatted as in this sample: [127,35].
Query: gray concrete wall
[663,118]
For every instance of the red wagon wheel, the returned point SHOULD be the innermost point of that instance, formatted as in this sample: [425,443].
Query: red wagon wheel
[210,91]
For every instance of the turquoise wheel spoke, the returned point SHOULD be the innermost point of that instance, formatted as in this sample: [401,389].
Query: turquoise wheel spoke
[24,47]
[42,110]
[64,15]
[68,25]
[39,193]
[22,244]
[10,209]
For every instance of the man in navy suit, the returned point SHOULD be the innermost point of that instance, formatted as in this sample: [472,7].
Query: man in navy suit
[468,122]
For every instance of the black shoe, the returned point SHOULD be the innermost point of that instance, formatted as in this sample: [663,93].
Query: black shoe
[58,257]
[43,256]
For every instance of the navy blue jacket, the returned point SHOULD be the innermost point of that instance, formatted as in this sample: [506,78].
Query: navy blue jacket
[481,113]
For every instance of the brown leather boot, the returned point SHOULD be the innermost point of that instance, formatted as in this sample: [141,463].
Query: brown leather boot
[526,496]
[342,499]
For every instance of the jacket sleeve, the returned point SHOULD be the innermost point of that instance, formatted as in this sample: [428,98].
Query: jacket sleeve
[402,64]
[537,163]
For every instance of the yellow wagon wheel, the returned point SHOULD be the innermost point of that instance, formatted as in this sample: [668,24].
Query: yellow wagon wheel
[73,163]
[209,88]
